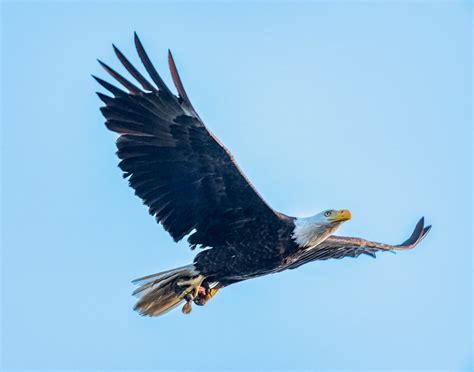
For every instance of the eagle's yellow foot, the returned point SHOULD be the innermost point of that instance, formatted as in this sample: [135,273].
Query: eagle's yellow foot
[190,291]
[205,294]
[191,286]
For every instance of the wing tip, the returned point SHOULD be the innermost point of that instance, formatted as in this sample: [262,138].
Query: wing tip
[137,41]
[425,232]
[104,98]
[116,50]
[111,88]
[419,233]
[132,88]
[155,76]
[103,65]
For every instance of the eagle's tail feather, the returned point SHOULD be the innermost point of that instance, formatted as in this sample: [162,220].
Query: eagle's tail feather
[161,292]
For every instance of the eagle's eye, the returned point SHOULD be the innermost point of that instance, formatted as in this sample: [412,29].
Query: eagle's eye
[327,213]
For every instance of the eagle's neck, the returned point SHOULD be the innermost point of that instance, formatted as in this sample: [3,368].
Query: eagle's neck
[311,231]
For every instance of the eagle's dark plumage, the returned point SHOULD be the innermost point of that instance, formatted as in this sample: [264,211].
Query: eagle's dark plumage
[193,187]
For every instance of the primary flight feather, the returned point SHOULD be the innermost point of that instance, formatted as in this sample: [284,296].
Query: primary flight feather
[193,187]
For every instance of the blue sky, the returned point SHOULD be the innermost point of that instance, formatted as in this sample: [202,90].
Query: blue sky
[365,106]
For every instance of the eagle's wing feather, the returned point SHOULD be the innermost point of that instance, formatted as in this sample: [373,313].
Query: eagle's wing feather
[186,177]
[341,246]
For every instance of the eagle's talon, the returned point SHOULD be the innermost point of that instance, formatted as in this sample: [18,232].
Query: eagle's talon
[191,288]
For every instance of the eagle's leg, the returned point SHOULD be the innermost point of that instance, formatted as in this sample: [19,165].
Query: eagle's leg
[190,291]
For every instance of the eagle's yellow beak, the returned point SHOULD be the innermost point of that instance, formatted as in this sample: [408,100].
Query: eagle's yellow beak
[341,215]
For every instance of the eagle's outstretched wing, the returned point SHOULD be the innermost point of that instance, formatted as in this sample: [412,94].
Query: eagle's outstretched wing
[186,177]
[341,246]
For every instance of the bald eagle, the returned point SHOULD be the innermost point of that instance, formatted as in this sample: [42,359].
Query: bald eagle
[193,187]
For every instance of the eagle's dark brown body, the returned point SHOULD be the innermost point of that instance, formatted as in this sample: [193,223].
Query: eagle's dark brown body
[266,253]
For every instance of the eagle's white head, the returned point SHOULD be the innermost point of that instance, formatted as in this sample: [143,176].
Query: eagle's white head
[311,231]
